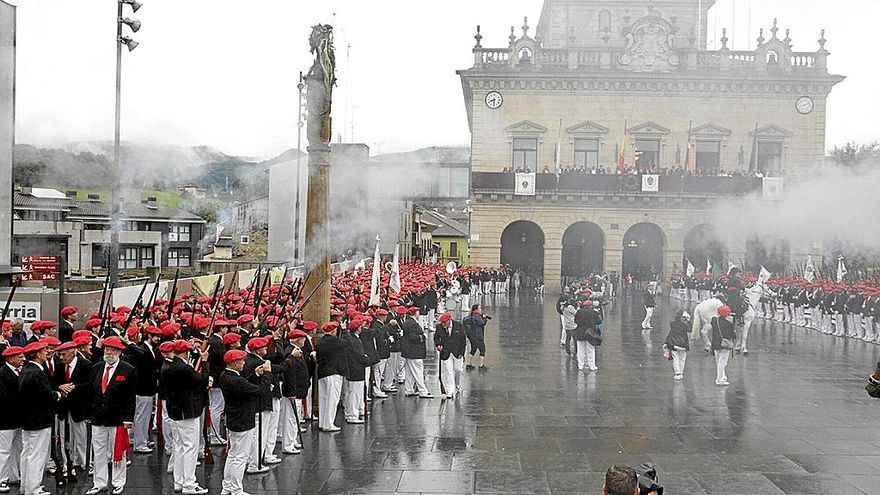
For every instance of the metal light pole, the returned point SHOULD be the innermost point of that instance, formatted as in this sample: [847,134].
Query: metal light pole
[299,127]
[116,200]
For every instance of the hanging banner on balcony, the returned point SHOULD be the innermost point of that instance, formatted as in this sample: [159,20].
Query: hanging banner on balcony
[525,185]
[773,187]
[650,183]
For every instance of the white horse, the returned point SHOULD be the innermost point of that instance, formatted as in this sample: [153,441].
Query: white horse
[708,309]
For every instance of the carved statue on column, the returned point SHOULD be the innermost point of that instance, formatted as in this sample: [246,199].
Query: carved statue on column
[320,81]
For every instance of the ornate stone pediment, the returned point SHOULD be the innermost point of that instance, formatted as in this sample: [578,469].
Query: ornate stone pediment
[587,127]
[711,130]
[648,48]
[526,127]
[772,132]
[648,129]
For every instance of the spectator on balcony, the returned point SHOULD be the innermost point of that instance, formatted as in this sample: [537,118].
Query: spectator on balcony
[546,170]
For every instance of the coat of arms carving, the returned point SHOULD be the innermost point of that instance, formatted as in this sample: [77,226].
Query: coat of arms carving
[648,48]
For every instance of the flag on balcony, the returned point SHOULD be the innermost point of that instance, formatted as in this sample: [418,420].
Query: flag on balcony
[559,150]
[753,158]
[690,269]
[687,153]
[621,159]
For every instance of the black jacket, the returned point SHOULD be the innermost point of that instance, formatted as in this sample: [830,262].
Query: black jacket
[296,377]
[383,347]
[147,363]
[677,336]
[412,345]
[10,418]
[216,364]
[586,319]
[77,402]
[116,406]
[369,338]
[241,396]
[36,398]
[331,356]
[65,331]
[356,359]
[453,343]
[266,380]
[722,328]
[185,390]
[649,300]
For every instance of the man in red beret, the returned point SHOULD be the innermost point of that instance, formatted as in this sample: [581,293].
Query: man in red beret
[69,315]
[72,380]
[330,352]
[10,419]
[357,362]
[263,451]
[413,350]
[147,362]
[185,393]
[295,385]
[165,424]
[112,414]
[450,342]
[240,398]
[36,401]
[216,365]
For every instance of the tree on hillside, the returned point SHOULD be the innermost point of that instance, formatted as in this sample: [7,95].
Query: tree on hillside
[852,154]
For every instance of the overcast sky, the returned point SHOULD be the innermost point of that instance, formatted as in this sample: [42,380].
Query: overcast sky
[223,73]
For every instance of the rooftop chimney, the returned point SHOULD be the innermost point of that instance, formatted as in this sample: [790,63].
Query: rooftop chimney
[151,203]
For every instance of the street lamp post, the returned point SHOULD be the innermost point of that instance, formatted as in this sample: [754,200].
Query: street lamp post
[116,200]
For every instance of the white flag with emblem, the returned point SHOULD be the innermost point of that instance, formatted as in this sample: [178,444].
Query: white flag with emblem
[764,276]
[650,183]
[690,269]
[730,266]
[525,185]
[841,269]
[708,266]
[773,187]
[394,283]
[374,280]
[809,270]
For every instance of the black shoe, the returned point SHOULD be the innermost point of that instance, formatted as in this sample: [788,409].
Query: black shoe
[484,368]
[469,367]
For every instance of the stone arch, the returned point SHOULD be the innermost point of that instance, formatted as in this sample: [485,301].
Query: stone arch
[701,244]
[522,247]
[583,250]
[643,246]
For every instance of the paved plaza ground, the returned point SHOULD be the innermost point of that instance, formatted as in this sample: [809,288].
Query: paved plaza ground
[795,419]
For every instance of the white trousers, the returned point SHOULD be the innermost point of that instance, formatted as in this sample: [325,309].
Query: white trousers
[140,430]
[391,367]
[261,439]
[414,381]
[186,452]
[450,374]
[103,440]
[721,358]
[649,312]
[354,400]
[10,454]
[561,329]
[378,374]
[216,406]
[167,431]
[465,303]
[274,420]
[288,424]
[586,355]
[240,445]
[34,455]
[678,360]
[78,436]
[329,390]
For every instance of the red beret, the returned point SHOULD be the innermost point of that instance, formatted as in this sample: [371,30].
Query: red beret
[170,329]
[257,343]
[330,326]
[51,341]
[414,310]
[310,326]
[245,319]
[724,311]
[445,317]
[295,334]
[81,341]
[166,346]
[68,310]
[152,330]
[231,338]
[381,312]
[234,355]
[401,310]
[355,324]
[35,347]
[114,342]
[13,351]
[588,303]
[67,345]
[182,346]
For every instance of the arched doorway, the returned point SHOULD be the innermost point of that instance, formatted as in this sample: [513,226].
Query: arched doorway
[773,254]
[643,251]
[583,251]
[702,245]
[522,247]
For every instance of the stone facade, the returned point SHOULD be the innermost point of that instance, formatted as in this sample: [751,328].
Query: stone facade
[644,82]
[7,129]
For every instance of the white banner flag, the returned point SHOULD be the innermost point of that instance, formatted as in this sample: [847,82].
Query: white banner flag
[730,266]
[708,266]
[525,185]
[650,183]
[374,280]
[394,283]
[809,270]
[690,269]
[764,276]
[841,269]
[773,187]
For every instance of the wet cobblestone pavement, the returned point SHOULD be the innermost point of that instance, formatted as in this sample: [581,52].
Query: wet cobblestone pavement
[795,419]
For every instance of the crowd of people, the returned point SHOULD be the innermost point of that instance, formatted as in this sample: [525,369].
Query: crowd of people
[238,368]
[677,171]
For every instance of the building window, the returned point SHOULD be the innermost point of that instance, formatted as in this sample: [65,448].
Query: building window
[708,155]
[453,250]
[147,257]
[178,257]
[100,255]
[648,153]
[179,232]
[128,258]
[586,153]
[525,154]
[604,21]
[770,157]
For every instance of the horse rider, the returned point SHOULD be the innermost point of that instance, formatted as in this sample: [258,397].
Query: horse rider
[735,288]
